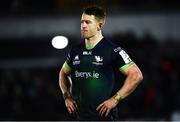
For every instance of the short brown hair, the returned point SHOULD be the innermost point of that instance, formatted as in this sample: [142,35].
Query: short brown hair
[97,11]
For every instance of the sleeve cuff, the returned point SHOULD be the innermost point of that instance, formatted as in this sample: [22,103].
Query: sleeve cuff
[126,66]
[67,66]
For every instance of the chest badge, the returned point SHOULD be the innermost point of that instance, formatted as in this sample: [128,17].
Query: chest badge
[98,60]
[76,60]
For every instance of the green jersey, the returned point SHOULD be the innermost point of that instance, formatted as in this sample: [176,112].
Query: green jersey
[93,73]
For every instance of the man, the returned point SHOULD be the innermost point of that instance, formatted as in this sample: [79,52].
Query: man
[91,65]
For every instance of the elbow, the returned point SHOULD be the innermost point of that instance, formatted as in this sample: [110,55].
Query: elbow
[139,77]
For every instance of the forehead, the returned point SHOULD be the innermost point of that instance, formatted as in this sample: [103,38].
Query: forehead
[87,17]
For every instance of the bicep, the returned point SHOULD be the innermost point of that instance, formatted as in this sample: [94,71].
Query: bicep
[133,74]
[133,69]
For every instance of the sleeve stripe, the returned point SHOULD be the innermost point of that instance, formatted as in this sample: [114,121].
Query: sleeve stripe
[67,66]
[126,66]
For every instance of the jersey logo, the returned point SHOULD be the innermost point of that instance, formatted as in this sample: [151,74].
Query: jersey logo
[87,52]
[86,75]
[99,60]
[125,56]
[76,57]
[76,60]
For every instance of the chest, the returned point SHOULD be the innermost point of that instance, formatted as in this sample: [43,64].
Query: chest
[89,60]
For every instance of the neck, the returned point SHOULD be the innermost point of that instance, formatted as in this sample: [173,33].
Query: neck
[90,42]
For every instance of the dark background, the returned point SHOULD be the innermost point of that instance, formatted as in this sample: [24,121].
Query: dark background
[29,65]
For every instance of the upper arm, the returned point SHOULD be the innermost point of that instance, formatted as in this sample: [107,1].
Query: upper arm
[133,70]
[122,61]
[68,64]
[66,69]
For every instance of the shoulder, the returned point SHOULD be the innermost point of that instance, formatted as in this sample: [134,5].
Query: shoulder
[77,47]
[112,45]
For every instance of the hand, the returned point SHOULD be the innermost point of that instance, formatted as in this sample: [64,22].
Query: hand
[106,106]
[71,106]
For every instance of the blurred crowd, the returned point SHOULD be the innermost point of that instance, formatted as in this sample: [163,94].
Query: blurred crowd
[34,93]
[158,96]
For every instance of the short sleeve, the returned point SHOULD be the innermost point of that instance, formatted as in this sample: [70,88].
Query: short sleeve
[69,60]
[121,59]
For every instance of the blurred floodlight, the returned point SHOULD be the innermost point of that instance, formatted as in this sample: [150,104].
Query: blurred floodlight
[59,42]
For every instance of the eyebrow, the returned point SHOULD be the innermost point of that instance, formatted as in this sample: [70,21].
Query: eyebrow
[86,20]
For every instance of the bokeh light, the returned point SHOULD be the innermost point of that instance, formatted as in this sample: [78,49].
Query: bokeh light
[59,42]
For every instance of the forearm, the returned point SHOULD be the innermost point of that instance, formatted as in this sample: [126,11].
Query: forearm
[64,83]
[130,84]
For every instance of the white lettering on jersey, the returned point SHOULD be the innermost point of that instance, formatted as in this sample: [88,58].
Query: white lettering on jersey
[87,52]
[125,56]
[117,49]
[87,74]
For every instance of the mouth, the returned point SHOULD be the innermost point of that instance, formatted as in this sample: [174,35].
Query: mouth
[84,30]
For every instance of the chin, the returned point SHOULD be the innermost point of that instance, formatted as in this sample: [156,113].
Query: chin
[84,37]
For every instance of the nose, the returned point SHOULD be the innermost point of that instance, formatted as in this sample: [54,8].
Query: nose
[83,24]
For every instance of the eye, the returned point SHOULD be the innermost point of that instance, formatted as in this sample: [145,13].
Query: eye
[88,22]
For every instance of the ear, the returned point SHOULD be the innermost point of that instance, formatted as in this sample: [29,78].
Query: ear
[101,23]
[100,26]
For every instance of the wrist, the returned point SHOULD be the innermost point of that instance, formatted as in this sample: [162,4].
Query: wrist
[117,97]
[67,95]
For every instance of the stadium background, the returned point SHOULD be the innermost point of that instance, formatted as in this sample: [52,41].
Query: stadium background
[29,65]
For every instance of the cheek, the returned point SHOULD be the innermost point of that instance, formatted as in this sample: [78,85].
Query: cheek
[94,29]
